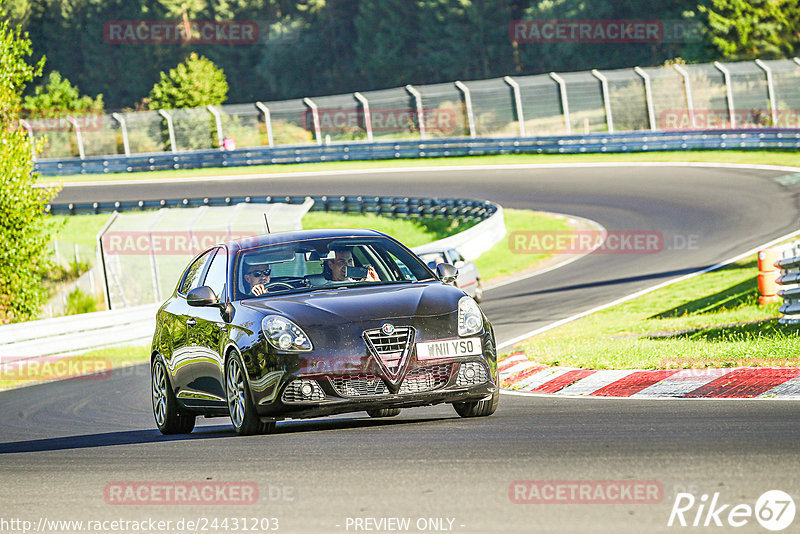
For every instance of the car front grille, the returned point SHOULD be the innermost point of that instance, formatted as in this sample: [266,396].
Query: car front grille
[390,348]
[425,379]
[294,392]
[358,386]
[472,373]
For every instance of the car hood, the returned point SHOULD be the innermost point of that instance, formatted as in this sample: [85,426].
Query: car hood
[355,304]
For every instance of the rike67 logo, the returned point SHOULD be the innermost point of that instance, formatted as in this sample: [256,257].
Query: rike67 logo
[774,510]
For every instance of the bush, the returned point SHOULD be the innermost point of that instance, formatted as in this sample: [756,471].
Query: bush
[24,228]
[78,301]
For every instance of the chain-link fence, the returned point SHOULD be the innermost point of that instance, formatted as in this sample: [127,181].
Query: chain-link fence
[678,97]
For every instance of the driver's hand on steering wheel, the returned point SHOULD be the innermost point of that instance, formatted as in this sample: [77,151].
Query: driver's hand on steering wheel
[259,289]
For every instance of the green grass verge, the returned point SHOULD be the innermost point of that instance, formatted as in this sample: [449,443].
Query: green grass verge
[761,157]
[81,229]
[94,365]
[711,320]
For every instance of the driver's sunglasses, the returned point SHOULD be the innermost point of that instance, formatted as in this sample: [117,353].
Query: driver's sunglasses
[259,274]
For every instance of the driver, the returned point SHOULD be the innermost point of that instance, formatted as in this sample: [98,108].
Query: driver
[257,277]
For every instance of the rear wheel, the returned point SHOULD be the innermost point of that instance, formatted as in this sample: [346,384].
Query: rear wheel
[384,412]
[169,416]
[241,409]
[481,408]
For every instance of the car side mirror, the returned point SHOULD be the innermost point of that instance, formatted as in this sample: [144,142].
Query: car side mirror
[446,273]
[202,296]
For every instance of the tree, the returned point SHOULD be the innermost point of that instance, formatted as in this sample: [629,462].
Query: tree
[193,83]
[58,97]
[748,29]
[24,228]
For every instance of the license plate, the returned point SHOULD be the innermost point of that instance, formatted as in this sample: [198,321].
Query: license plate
[449,348]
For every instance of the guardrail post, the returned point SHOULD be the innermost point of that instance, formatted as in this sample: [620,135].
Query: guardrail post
[770,91]
[420,114]
[78,136]
[468,104]
[517,103]
[218,124]
[101,257]
[728,90]
[268,121]
[315,118]
[367,115]
[25,124]
[687,86]
[123,125]
[170,129]
[648,96]
[564,101]
[606,99]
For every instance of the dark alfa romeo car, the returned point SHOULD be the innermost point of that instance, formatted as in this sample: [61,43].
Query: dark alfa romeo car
[313,323]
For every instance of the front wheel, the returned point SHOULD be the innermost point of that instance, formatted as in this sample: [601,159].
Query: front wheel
[169,417]
[478,292]
[241,409]
[481,408]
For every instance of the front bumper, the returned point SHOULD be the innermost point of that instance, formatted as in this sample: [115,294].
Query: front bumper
[438,382]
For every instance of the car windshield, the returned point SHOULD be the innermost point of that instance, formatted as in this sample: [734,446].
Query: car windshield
[327,263]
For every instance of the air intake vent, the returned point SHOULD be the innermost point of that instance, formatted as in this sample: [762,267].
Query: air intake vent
[358,386]
[302,390]
[472,373]
[425,378]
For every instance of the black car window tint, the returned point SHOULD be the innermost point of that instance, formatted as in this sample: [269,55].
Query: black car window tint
[191,278]
[217,274]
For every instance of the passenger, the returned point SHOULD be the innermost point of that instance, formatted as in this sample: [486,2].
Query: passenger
[335,269]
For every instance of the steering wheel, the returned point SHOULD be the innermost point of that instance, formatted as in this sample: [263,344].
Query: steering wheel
[281,284]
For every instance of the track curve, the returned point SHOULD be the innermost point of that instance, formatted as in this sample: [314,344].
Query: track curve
[74,437]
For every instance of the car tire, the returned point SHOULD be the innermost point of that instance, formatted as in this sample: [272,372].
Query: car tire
[478,292]
[169,416]
[384,412]
[481,408]
[241,409]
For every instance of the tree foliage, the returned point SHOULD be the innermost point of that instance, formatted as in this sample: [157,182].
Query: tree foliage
[195,82]
[24,229]
[58,97]
[749,29]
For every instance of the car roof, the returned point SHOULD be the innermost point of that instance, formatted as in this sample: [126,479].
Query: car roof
[278,238]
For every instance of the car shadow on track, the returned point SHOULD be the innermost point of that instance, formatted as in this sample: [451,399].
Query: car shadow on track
[133,437]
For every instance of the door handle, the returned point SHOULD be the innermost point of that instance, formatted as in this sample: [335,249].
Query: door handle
[191,322]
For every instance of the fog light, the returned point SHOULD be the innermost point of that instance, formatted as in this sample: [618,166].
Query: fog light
[469,373]
[306,389]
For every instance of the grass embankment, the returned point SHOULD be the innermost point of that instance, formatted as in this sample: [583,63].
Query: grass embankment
[711,320]
[760,157]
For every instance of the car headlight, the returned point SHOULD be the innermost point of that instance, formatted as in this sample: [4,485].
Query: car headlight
[470,318]
[283,334]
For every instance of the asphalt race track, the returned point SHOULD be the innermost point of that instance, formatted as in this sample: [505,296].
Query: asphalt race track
[63,444]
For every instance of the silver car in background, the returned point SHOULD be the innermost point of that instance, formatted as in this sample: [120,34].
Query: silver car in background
[469,279]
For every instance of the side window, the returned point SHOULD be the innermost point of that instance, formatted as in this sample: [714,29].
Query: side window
[191,278]
[455,256]
[217,275]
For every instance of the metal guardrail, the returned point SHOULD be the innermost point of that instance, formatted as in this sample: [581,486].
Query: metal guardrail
[750,139]
[790,280]
[410,207]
